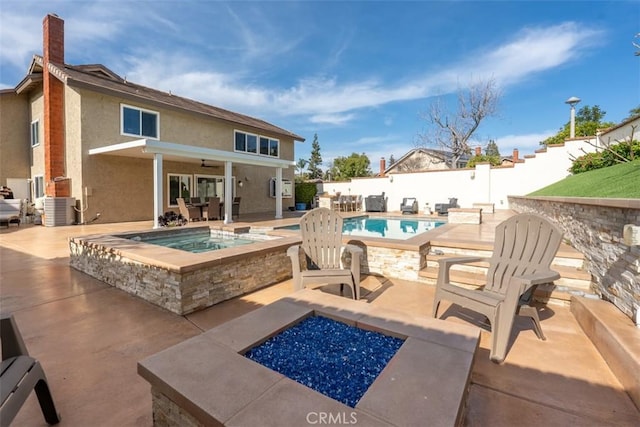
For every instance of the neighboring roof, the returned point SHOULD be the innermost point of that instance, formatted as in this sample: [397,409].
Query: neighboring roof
[621,124]
[99,78]
[441,154]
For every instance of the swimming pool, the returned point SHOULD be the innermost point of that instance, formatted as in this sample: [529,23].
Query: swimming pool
[388,228]
[198,241]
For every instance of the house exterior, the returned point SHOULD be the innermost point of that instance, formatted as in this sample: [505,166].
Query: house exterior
[424,159]
[127,151]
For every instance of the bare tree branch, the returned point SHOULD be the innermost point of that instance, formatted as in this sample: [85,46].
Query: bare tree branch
[452,131]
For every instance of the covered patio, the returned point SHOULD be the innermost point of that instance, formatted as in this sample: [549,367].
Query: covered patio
[89,337]
[159,151]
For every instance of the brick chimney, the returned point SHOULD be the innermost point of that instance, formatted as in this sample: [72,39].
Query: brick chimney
[478,151]
[515,155]
[54,158]
[383,166]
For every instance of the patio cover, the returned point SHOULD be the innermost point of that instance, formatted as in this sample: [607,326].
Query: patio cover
[161,150]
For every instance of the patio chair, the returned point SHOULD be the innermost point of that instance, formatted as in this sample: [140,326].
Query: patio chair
[21,373]
[235,207]
[409,205]
[322,247]
[213,208]
[524,248]
[191,213]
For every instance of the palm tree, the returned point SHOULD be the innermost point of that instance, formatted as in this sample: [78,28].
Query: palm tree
[300,165]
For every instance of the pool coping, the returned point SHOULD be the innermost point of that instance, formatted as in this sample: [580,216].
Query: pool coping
[426,382]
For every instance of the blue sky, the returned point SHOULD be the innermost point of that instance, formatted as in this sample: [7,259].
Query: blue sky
[357,73]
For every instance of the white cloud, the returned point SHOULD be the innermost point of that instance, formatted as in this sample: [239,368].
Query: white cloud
[327,99]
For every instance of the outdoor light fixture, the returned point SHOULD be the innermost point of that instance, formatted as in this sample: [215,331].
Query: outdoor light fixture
[240,183]
[572,101]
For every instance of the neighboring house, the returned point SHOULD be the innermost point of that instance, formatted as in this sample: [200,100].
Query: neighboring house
[127,151]
[425,159]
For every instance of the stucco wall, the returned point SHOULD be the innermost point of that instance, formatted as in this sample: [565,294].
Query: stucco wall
[121,188]
[594,227]
[15,136]
[475,185]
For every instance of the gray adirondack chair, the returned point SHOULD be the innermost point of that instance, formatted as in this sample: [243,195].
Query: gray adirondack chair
[524,248]
[21,374]
[321,250]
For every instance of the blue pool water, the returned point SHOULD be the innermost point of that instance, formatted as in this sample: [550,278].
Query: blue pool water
[195,242]
[389,228]
[330,357]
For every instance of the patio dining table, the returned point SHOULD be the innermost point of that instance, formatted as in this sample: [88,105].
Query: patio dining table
[204,206]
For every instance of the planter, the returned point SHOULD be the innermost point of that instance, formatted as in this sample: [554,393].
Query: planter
[301,206]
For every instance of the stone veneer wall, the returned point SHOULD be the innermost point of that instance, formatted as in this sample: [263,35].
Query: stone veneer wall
[395,263]
[182,292]
[594,227]
[167,414]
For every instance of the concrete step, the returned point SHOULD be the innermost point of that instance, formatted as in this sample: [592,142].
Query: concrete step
[574,280]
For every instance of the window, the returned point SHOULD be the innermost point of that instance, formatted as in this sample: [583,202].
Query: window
[268,146]
[38,186]
[211,186]
[35,133]
[179,186]
[255,144]
[139,122]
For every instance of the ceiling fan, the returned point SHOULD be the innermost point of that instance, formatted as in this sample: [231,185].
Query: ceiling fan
[203,165]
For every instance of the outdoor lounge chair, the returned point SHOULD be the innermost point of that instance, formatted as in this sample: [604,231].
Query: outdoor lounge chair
[191,213]
[409,205]
[524,248]
[21,373]
[321,230]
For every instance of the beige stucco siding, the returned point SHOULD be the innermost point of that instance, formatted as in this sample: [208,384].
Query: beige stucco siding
[121,188]
[14,136]
[36,104]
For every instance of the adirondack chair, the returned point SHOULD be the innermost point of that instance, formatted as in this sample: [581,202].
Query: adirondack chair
[21,374]
[321,230]
[524,248]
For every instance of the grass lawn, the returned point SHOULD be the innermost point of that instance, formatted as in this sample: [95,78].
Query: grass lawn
[619,181]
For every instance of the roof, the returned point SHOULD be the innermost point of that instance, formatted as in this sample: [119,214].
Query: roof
[441,154]
[101,79]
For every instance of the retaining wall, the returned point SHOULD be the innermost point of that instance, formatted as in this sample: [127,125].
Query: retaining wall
[595,228]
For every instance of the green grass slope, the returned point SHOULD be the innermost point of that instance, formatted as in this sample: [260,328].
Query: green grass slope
[619,181]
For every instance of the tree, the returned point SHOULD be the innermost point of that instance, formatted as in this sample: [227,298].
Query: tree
[633,112]
[588,121]
[300,165]
[452,131]
[316,160]
[492,149]
[356,165]
[392,160]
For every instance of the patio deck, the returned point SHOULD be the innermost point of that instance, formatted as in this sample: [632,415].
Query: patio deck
[90,336]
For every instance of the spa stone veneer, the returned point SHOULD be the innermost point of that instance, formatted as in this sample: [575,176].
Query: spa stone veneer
[595,228]
[180,281]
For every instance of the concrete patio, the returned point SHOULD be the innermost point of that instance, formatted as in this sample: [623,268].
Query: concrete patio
[90,336]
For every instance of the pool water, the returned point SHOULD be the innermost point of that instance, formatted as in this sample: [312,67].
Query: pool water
[389,228]
[196,242]
[330,357]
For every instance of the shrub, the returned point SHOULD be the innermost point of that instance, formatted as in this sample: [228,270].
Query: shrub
[603,159]
[305,192]
[171,219]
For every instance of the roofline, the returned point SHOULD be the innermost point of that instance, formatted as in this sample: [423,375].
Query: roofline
[150,146]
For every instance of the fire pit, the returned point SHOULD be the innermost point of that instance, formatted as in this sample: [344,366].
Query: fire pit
[207,380]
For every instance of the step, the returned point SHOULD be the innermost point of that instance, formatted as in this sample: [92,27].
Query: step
[567,272]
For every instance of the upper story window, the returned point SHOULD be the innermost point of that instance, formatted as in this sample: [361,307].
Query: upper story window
[139,122]
[35,133]
[256,144]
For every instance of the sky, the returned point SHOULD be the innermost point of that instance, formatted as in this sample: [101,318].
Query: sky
[358,74]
